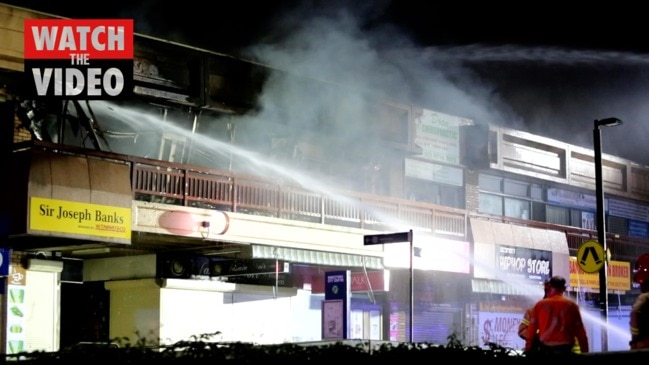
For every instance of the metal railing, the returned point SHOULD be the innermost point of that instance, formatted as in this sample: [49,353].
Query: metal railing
[192,186]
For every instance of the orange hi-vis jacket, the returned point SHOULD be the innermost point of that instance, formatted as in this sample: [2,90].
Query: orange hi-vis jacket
[525,322]
[639,323]
[558,322]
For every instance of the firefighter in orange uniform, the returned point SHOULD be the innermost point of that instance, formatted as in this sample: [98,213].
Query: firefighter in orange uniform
[558,322]
[639,322]
[525,322]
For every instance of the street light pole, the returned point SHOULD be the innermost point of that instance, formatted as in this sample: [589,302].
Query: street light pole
[601,221]
[412,287]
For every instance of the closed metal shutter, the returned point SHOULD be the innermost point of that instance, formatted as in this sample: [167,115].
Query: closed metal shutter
[435,325]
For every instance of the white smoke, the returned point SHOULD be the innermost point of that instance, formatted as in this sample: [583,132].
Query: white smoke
[548,91]
[379,61]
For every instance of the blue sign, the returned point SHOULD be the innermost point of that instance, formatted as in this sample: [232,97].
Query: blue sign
[5,260]
[338,285]
[638,229]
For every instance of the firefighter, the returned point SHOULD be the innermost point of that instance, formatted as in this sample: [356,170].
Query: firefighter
[639,322]
[525,322]
[558,322]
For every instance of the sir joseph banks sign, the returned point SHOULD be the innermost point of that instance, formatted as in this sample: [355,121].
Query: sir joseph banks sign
[79,218]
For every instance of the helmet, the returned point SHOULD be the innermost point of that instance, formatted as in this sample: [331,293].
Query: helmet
[641,270]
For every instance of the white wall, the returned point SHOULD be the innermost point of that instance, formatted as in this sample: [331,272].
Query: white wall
[176,310]
[242,316]
[186,314]
[307,317]
[42,311]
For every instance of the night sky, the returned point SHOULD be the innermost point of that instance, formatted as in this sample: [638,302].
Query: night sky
[537,67]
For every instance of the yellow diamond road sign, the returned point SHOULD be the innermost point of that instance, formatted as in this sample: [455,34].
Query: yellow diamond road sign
[590,256]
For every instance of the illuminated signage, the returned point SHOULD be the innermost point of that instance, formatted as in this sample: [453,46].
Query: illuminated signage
[619,277]
[63,216]
[522,262]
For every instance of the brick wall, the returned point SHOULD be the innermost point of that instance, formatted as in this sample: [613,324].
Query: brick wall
[471,190]
[20,132]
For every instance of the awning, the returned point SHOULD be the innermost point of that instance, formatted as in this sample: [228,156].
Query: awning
[491,238]
[92,196]
[489,232]
[316,257]
[505,288]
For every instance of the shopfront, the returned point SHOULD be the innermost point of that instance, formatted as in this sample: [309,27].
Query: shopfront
[510,264]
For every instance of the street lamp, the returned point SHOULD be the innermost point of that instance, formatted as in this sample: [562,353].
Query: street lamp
[601,229]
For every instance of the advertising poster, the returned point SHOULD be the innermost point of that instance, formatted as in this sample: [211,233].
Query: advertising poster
[396,330]
[500,328]
[333,319]
[16,310]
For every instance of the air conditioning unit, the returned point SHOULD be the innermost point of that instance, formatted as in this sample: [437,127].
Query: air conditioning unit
[44,265]
[182,266]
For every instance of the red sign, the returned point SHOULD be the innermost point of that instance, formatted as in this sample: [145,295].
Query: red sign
[64,38]
[372,281]
[360,282]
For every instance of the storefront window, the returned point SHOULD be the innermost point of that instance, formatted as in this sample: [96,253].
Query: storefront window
[490,183]
[557,215]
[435,193]
[516,188]
[617,225]
[491,204]
[510,198]
[536,192]
[517,208]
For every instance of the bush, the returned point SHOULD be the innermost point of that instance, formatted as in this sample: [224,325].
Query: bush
[200,351]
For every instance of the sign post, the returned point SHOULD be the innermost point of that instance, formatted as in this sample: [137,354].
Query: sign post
[381,239]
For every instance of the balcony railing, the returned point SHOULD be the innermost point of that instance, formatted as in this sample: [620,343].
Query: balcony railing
[204,188]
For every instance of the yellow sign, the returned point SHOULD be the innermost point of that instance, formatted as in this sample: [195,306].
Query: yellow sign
[65,216]
[618,277]
[590,256]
